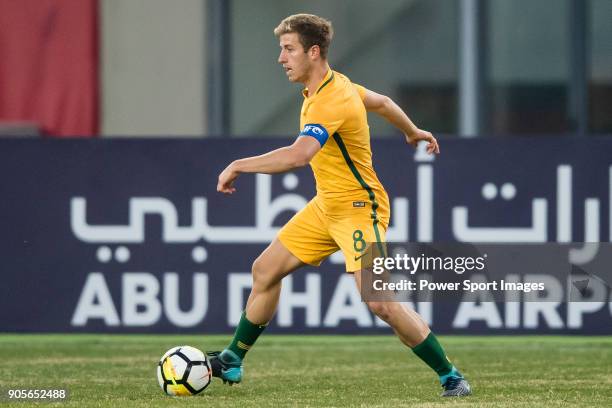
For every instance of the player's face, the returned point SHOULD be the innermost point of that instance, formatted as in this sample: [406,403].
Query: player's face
[292,57]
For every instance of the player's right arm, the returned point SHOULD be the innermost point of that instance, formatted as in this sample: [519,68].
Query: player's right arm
[388,109]
[277,161]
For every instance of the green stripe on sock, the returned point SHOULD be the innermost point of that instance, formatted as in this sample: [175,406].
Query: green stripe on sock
[245,336]
[431,352]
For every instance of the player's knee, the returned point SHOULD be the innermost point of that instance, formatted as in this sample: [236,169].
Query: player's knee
[258,272]
[262,276]
[380,309]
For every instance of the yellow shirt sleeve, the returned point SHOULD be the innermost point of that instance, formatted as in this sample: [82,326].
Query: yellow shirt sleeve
[361,90]
[322,122]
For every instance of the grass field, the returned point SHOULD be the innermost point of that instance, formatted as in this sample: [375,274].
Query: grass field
[119,371]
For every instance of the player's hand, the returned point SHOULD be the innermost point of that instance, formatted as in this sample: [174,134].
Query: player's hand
[227,177]
[418,135]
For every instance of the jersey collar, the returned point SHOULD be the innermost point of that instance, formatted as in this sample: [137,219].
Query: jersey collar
[326,80]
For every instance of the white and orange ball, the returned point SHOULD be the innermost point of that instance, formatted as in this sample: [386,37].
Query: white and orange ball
[183,371]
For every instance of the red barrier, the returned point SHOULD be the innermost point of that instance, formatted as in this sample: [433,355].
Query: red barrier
[49,65]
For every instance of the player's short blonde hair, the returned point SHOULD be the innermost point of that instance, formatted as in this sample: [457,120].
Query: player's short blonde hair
[311,29]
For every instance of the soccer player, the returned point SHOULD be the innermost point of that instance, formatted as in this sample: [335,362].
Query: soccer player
[350,208]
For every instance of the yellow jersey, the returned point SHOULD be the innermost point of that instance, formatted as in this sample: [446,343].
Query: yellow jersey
[345,178]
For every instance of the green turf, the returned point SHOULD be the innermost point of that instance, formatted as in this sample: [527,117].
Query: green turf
[316,371]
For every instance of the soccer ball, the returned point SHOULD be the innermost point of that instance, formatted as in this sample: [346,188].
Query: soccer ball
[184,370]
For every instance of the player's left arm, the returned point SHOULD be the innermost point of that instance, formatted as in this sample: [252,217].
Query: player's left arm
[280,160]
[388,109]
